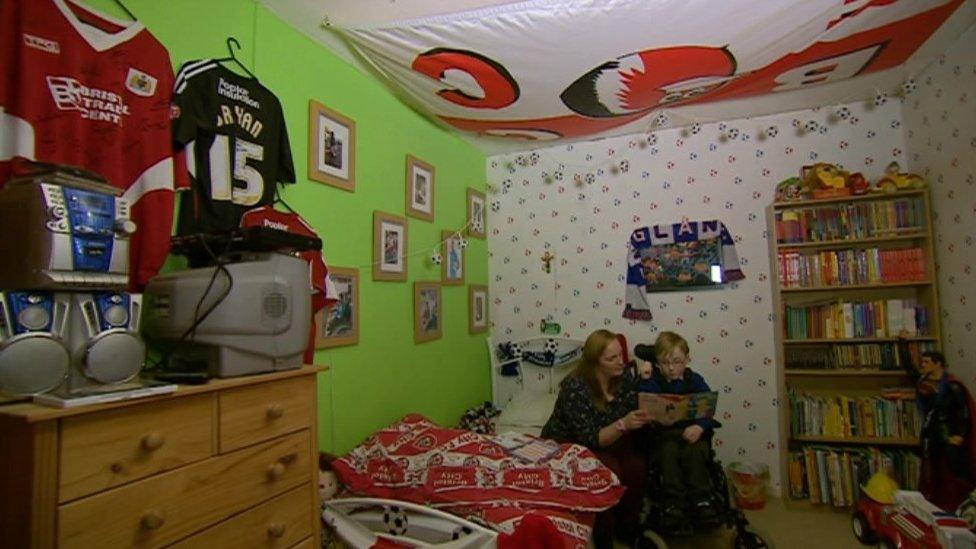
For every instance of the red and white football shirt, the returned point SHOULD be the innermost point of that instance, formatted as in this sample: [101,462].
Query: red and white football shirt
[323,290]
[81,88]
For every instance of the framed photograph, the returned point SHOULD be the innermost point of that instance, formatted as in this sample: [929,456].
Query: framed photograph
[420,189]
[477,308]
[477,220]
[427,309]
[389,247]
[452,262]
[331,147]
[338,324]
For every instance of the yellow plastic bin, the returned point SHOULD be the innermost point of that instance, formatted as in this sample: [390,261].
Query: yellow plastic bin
[749,484]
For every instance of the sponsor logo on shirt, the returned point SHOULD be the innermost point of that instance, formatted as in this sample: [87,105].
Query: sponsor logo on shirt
[91,103]
[42,44]
[274,225]
[237,93]
[140,83]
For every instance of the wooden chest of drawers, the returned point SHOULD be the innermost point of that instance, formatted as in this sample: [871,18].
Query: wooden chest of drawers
[233,463]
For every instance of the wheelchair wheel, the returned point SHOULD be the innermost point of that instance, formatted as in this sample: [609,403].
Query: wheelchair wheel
[649,539]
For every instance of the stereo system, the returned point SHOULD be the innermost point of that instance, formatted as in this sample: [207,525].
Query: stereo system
[66,324]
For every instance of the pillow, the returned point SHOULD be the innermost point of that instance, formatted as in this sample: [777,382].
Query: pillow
[528,409]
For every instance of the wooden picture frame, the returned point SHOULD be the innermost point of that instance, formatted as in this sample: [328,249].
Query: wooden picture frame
[389,247]
[331,147]
[419,189]
[338,324]
[477,308]
[452,259]
[477,213]
[428,319]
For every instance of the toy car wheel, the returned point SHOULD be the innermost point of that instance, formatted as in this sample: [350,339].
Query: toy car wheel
[862,529]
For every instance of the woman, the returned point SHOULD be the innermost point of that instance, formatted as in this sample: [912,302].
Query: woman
[597,408]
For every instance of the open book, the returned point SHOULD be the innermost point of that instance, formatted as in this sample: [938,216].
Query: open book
[668,409]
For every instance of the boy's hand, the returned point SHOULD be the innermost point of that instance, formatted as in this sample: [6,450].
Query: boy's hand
[643,369]
[692,433]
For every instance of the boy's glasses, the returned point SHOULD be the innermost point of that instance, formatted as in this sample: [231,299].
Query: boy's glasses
[680,362]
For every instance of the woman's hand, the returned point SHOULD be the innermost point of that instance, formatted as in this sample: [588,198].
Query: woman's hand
[635,419]
[692,433]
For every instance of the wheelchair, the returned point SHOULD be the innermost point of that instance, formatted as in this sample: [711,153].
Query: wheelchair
[727,515]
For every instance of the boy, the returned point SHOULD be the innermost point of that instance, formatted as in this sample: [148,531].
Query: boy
[681,450]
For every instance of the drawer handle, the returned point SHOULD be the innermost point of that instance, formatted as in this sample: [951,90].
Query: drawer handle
[276,530]
[275,470]
[153,441]
[275,411]
[152,520]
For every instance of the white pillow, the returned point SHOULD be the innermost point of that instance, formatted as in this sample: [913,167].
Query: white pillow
[528,408]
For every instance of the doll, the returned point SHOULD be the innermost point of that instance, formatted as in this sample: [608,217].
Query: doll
[328,488]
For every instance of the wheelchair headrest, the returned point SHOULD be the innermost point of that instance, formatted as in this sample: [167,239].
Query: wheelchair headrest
[645,352]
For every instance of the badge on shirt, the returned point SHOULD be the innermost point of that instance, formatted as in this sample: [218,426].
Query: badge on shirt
[140,83]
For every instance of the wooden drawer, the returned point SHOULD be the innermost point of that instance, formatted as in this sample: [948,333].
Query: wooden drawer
[305,544]
[279,523]
[262,412]
[170,506]
[115,447]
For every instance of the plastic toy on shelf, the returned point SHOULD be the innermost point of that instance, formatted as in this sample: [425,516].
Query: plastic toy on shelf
[902,519]
[895,180]
[825,180]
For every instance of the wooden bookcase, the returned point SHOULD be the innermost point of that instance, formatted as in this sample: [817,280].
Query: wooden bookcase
[841,269]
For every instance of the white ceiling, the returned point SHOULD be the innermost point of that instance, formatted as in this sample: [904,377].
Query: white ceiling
[318,18]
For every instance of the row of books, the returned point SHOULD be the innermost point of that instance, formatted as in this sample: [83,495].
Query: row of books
[861,356]
[850,267]
[834,476]
[891,414]
[847,221]
[856,319]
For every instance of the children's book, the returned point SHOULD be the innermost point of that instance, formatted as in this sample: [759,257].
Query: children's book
[527,448]
[668,409]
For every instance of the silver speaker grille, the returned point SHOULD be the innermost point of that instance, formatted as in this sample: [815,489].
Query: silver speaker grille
[275,305]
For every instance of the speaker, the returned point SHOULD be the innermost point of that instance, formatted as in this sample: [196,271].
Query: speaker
[34,357]
[103,339]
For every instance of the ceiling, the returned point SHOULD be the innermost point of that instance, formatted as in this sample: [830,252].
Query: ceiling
[536,71]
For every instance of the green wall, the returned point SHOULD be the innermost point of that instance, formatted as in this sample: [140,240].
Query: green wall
[386,375]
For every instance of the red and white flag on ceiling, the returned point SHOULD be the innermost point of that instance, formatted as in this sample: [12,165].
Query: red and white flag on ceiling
[562,69]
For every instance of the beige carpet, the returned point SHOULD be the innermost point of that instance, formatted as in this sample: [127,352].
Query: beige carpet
[783,528]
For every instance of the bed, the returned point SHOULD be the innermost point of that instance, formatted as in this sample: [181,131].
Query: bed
[479,478]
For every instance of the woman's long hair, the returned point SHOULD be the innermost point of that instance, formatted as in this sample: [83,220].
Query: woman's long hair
[593,349]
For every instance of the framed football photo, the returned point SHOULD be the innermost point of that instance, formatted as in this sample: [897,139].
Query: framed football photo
[420,189]
[427,309]
[477,308]
[331,147]
[338,324]
[452,264]
[476,214]
[389,247]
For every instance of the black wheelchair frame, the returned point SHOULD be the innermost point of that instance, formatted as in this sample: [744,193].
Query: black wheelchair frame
[728,515]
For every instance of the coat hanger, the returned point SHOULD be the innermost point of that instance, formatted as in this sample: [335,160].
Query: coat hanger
[126,10]
[231,41]
[279,200]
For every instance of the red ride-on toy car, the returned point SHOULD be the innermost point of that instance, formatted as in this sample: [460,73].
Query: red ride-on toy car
[905,520]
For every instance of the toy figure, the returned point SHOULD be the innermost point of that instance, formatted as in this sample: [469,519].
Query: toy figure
[791,189]
[547,262]
[896,180]
[859,185]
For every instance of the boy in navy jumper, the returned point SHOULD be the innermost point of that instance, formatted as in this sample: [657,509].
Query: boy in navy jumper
[681,450]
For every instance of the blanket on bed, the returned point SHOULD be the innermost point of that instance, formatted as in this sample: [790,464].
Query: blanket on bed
[472,475]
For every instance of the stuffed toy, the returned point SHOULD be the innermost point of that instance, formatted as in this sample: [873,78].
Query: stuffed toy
[328,488]
[791,189]
[825,180]
[480,419]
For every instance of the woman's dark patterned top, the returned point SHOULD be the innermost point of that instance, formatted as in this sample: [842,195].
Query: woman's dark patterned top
[576,418]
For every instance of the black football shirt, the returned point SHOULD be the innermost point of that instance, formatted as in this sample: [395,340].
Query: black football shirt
[233,131]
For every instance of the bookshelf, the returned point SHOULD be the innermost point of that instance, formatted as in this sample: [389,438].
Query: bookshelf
[849,274]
